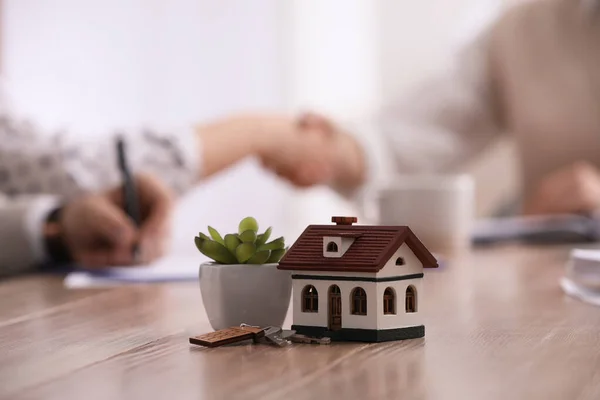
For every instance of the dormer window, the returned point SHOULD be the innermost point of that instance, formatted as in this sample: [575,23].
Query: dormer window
[332,247]
[341,238]
[400,261]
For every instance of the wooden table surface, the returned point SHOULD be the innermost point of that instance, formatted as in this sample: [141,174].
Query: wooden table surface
[498,326]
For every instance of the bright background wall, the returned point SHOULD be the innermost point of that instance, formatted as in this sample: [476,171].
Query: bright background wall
[99,64]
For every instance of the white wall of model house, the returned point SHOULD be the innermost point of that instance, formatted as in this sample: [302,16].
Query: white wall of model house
[401,319]
[375,318]
[412,265]
[321,318]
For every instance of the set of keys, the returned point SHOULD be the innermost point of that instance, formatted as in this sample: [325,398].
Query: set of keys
[277,336]
[270,335]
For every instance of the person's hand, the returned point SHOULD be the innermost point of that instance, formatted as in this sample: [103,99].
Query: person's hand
[314,152]
[300,153]
[575,189]
[99,233]
[305,151]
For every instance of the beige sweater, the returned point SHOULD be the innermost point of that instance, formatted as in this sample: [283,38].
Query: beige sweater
[532,75]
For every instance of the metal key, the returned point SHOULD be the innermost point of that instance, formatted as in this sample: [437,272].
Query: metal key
[276,336]
[281,338]
[270,330]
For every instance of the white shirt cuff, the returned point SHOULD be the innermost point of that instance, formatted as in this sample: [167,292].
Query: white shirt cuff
[34,224]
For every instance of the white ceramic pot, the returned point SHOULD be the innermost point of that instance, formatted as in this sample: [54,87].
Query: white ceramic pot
[240,293]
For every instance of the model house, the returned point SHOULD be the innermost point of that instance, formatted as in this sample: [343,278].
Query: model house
[358,282]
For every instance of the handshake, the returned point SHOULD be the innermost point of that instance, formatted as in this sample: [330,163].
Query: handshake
[312,150]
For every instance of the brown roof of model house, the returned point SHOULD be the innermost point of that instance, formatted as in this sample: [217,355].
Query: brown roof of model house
[373,246]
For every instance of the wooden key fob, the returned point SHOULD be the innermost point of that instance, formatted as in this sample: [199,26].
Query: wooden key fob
[228,336]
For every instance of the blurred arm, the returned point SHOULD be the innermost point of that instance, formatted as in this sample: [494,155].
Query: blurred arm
[228,141]
[181,158]
[439,125]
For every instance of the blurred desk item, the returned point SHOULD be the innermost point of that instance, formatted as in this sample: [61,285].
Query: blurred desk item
[538,229]
[172,268]
[582,275]
[498,326]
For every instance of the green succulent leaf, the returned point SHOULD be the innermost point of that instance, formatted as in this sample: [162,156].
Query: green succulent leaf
[275,256]
[216,251]
[263,237]
[260,257]
[244,252]
[203,236]
[276,244]
[215,235]
[248,224]
[246,246]
[232,242]
[248,236]
[198,242]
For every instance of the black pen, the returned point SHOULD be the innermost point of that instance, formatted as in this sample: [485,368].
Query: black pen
[130,195]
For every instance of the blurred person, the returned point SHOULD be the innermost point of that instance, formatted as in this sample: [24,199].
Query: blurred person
[60,193]
[531,73]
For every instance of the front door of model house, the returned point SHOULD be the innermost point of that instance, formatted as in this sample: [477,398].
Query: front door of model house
[335,308]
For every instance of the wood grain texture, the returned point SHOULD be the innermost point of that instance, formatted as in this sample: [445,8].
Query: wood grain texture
[497,326]
[28,296]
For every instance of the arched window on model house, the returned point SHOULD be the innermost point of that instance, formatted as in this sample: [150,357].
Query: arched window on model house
[389,301]
[359,301]
[310,299]
[411,299]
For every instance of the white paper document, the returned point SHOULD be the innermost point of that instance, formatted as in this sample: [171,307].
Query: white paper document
[173,268]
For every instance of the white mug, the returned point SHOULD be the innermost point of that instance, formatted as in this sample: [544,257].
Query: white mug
[439,209]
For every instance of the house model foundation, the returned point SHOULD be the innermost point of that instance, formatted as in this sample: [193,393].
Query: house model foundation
[358,282]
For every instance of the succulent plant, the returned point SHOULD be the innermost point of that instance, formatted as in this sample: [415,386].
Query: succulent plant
[246,246]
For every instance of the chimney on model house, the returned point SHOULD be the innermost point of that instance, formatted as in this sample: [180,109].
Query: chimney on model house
[344,220]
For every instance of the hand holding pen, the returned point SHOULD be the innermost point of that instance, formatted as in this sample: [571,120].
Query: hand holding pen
[98,233]
[130,195]
[148,204]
